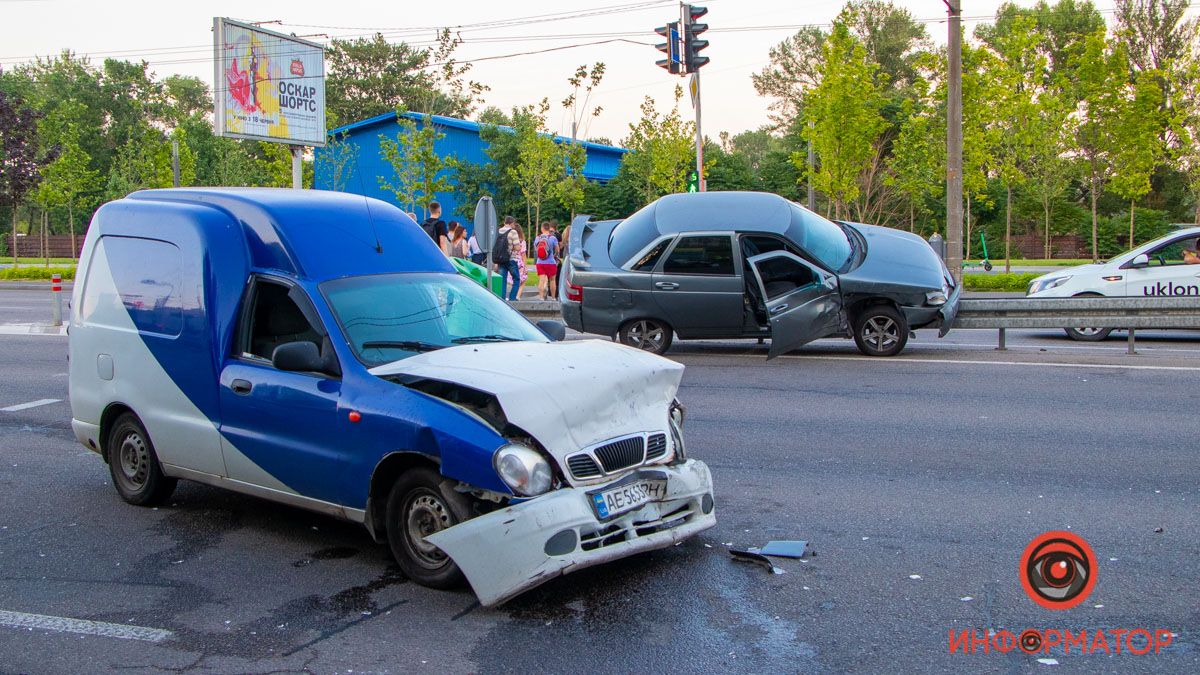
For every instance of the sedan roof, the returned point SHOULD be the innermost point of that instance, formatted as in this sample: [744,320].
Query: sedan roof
[700,211]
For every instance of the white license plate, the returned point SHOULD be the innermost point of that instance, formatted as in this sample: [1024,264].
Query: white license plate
[618,500]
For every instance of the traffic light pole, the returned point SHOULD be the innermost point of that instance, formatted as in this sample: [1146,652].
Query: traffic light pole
[700,182]
[954,143]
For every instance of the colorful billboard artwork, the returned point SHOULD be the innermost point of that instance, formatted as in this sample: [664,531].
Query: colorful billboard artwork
[268,86]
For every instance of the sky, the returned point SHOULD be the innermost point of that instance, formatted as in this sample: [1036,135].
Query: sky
[176,37]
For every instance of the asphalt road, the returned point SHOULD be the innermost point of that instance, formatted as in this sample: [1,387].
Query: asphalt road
[942,464]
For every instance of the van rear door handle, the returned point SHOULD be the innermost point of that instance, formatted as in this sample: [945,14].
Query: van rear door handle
[666,285]
[241,387]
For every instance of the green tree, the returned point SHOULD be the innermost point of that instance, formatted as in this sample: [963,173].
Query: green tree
[419,172]
[1051,169]
[844,120]
[1015,78]
[917,163]
[661,153]
[1139,146]
[1100,71]
[338,162]
[371,76]
[539,166]
[68,180]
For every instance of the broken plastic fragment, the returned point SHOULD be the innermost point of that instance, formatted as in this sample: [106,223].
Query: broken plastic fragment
[1048,662]
[966,598]
[747,555]
[914,576]
[785,549]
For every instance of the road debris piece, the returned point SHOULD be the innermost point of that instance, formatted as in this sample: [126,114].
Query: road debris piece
[752,556]
[785,549]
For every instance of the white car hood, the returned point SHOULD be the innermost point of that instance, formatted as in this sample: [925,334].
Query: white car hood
[568,395]
[1090,268]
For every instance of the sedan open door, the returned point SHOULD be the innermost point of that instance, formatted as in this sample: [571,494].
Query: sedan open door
[802,300]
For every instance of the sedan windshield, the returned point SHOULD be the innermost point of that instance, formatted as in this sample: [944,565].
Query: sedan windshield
[821,238]
[387,317]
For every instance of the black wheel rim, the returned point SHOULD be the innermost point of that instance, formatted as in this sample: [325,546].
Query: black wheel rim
[880,333]
[424,513]
[646,334]
[132,463]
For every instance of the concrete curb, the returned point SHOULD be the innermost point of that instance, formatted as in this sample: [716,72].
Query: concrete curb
[538,309]
[32,286]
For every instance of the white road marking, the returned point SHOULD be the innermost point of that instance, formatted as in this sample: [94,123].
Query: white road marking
[981,362]
[31,404]
[81,626]
[971,362]
[31,329]
[1050,347]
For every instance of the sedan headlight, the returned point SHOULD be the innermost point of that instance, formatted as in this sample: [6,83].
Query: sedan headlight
[935,298]
[523,469]
[1039,285]
[677,429]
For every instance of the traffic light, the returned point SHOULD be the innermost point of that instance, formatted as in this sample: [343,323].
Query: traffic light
[673,63]
[693,182]
[692,44]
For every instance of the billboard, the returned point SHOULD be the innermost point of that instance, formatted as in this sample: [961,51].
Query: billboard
[268,86]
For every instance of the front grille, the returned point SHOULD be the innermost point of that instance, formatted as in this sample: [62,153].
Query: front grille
[656,446]
[583,466]
[622,454]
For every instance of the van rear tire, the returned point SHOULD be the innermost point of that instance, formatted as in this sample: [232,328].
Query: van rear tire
[134,466]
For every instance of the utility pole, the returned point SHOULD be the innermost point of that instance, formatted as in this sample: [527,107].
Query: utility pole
[297,167]
[954,142]
[175,162]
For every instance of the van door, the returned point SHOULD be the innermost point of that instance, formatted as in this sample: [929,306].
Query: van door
[699,287]
[280,429]
[802,300]
[1173,271]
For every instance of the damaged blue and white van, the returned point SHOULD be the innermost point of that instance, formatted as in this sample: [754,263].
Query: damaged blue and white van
[316,349]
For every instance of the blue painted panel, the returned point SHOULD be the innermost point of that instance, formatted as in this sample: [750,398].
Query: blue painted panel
[461,140]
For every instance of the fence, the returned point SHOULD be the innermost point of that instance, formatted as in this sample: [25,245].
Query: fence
[30,246]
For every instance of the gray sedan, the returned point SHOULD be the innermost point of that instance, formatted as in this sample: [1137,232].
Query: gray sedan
[751,265]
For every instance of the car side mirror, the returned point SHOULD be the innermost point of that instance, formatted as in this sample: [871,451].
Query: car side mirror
[554,330]
[298,357]
[1140,260]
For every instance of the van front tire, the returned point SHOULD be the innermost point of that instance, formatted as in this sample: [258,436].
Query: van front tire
[134,466]
[416,508]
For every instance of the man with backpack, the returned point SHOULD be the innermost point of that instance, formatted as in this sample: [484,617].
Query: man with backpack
[436,228]
[546,250]
[506,245]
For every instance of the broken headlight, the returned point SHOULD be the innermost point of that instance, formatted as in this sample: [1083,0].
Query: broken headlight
[523,469]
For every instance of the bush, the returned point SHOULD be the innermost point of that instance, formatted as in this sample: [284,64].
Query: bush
[36,273]
[1014,283]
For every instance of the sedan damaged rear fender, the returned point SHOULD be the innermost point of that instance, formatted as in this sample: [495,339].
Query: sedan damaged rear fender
[510,551]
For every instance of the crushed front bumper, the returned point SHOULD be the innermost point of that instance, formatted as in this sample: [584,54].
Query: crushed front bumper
[510,551]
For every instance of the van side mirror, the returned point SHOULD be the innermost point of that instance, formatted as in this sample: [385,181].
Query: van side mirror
[297,356]
[552,329]
[1140,260]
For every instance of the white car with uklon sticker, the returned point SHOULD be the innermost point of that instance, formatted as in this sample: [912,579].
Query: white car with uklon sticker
[1166,267]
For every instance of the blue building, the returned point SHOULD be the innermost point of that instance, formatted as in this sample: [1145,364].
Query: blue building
[461,140]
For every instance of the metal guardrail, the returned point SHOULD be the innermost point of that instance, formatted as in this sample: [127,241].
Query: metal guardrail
[1129,313]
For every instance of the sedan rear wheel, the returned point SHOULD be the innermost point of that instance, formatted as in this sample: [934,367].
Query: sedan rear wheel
[651,335]
[880,331]
[1088,334]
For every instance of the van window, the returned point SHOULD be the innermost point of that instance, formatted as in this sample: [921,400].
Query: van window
[134,284]
[705,254]
[275,319]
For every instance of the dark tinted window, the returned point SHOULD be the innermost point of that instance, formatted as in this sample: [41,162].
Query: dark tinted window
[781,276]
[711,254]
[134,283]
[647,262]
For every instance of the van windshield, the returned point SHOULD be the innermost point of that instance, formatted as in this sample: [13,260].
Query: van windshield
[388,317]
